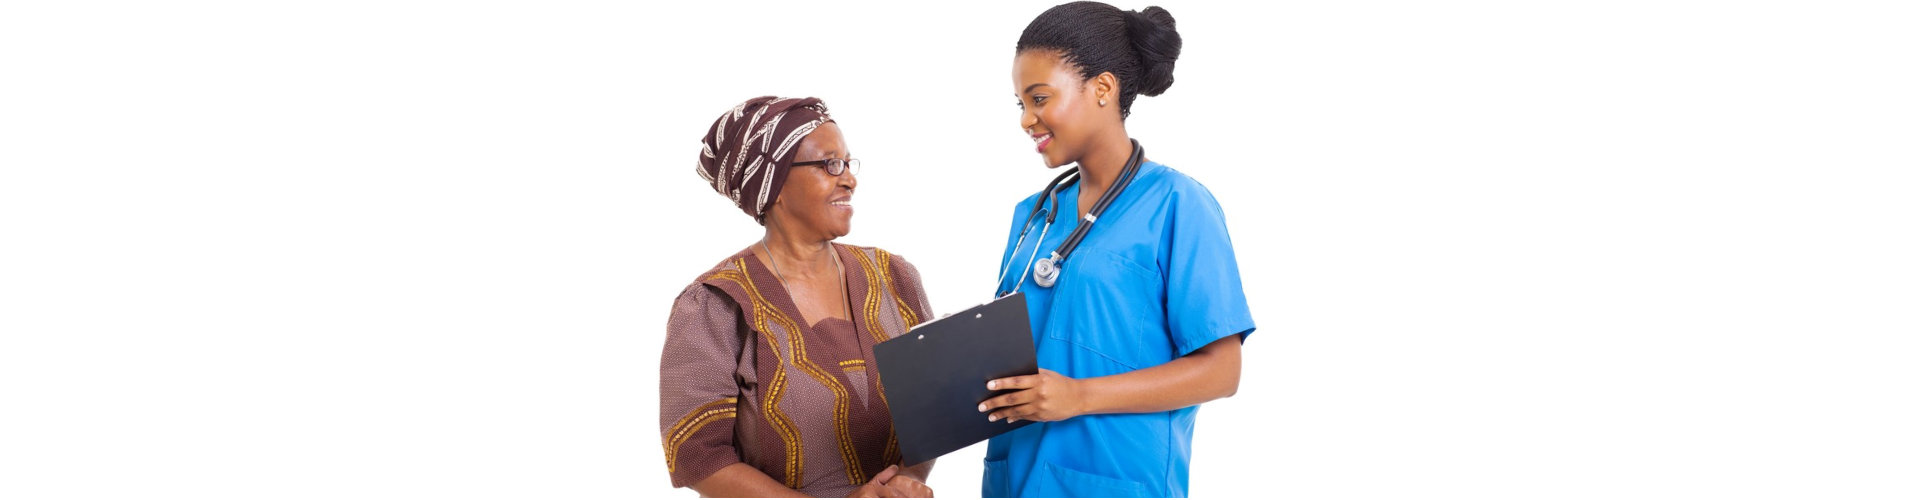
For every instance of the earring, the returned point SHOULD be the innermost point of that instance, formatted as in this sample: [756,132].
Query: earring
[1103,102]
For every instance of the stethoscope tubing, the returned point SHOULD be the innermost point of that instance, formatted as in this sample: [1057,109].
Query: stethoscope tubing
[1048,270]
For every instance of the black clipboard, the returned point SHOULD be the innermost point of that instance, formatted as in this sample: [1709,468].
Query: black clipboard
[936,374]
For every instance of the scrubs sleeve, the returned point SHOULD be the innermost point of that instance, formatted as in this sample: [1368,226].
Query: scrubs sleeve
[1204,298]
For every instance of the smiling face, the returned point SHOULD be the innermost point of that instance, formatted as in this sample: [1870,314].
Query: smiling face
[811,202]
[1059,110]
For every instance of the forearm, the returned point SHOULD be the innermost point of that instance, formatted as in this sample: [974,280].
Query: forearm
[744,481]
[1209,373]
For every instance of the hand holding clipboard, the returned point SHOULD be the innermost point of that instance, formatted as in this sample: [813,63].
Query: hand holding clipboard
[935,376]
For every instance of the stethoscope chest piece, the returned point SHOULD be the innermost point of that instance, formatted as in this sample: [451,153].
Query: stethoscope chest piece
[1045,273]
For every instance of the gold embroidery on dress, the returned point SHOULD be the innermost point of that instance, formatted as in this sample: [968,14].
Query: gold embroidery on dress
[797,344]
[691,424]
[874,277]
[886,276]
[770,405]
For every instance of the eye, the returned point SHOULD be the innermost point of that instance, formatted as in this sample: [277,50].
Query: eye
[1039,99]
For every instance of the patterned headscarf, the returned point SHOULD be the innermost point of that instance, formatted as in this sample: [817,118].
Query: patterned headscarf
[748,151]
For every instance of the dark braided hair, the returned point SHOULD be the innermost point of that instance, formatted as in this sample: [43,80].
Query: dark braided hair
[1137,47]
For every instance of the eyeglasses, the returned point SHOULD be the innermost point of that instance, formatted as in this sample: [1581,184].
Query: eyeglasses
[834,166]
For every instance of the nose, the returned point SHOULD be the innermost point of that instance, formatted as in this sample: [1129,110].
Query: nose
[848,180]
[1028,120]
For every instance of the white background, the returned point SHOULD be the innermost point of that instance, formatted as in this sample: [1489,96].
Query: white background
[403,249]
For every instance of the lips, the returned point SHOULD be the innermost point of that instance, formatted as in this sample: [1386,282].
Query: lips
[1040,142]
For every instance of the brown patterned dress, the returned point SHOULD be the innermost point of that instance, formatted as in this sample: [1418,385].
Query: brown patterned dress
[743,380]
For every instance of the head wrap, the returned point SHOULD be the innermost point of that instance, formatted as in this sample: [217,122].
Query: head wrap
[748,151]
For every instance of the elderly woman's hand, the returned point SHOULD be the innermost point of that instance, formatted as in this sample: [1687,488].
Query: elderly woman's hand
[877,488]
[908,486]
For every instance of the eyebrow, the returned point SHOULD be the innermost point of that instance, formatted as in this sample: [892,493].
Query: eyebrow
[1031,87]
[826,155]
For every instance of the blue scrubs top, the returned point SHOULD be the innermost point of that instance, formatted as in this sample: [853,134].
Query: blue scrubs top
[1154,280]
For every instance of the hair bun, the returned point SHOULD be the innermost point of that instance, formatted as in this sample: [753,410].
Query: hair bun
[1157,45]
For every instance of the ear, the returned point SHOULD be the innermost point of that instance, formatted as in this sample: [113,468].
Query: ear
[772,216]
[1106,87]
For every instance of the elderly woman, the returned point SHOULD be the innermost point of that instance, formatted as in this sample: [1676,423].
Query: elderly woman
[767,383]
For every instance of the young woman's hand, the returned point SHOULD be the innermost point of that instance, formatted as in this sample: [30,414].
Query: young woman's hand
[1045,397]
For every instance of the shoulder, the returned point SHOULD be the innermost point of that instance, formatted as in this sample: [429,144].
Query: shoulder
[1163,177]
[701,304]
[712,283]
[1176,188]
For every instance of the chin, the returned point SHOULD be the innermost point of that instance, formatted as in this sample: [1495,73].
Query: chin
[1052,163]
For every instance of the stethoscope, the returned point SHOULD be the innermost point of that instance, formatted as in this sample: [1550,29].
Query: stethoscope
[1047,271]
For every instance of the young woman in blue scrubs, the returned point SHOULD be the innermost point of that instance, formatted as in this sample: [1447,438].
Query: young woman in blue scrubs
[1145,318]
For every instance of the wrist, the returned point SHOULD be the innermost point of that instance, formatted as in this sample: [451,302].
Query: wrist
[1087,391]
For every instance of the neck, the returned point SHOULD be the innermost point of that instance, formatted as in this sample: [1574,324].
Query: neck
[1103,164]
[799,256]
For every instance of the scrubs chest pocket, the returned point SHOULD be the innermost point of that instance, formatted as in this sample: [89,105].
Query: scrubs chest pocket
[1117,312]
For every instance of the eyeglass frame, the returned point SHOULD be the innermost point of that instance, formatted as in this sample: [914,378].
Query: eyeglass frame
[846,165]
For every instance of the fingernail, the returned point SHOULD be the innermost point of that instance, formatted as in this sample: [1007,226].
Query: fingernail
[991,384]
[991,418]
[983,407]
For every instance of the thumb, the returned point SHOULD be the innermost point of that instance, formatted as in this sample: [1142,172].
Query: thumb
[886,475]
